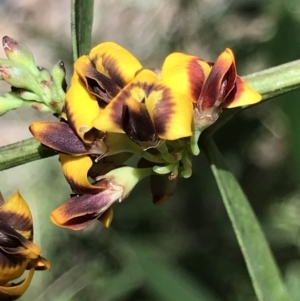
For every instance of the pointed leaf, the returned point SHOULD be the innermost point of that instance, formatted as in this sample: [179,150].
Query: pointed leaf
[81,26]
[261,266]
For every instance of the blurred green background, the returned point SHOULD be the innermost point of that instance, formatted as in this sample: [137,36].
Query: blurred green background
[184,249]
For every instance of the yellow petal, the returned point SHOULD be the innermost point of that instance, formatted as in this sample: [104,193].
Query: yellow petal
[171,112]
[107,217]
[16,213]
[243,96]
[75,170]
[12,242]
[110,119]
[96,82]
[185,74]
[81,109]
[40,263]
[11,268]
[58,136]
[115,62]
[13,292]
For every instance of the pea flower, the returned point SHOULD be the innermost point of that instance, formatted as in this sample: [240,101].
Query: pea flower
[17,250]
[115,108]
[210,86]
[94,201]
[97,78]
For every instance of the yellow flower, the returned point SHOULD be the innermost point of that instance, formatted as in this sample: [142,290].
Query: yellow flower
[210,86]
[94,201]
[17,250]
[98,77]
[147,110]
[114,108]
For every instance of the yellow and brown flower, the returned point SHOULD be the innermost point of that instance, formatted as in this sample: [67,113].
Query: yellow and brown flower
[97,78]
[210,86]
[147,110]
[17,250]
[115,107]
[94,200]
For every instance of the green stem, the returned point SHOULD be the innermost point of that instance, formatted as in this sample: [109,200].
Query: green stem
[275,81]
[22,152]
[81,26]
[269,83]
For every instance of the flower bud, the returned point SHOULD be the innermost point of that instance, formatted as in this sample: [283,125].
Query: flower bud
[19,53]
[17,250]
[19,76]
[44,74]
[58,74]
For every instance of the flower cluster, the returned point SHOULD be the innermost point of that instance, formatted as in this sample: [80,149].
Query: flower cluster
[115,109]
[31,86]
[17,250]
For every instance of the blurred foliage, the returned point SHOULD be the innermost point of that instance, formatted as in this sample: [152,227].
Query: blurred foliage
[184,249]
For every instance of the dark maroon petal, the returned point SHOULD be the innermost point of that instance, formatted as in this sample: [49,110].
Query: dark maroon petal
[220,82]
[81,211]
[59,136]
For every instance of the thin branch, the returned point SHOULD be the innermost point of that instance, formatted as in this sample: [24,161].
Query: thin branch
[270,83]
[23,152]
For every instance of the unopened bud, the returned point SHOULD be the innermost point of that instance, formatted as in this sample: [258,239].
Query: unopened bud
[29,96]
[19,76]
[44,74]
[19,53]
[58,74]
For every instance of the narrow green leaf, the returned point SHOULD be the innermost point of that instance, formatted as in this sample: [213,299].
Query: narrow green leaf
[81,26]
[261,266]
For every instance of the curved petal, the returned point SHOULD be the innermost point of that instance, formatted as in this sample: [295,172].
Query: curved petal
[185,74]
[170,111]
[242,95]
[137,124]
[59,136]
[79,212]
[110,119]
[115,62]
[39,264]
[75,170]
[97,83]
[16,213]
[11,267]
[220,82]
[14,243]
[15,291]
[81,109]
[107,217]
